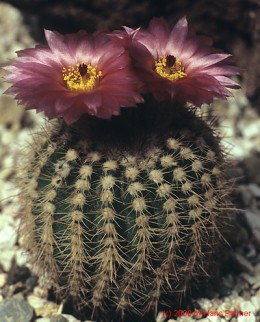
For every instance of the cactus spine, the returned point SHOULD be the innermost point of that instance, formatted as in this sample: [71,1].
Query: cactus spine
[122,217]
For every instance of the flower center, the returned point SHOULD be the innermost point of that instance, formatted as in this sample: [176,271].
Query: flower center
[82,77]
[169,67]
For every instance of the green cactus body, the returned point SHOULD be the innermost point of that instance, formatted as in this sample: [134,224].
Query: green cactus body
[119,227]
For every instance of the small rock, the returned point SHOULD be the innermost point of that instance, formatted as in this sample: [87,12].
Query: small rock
[8,237]
[256,302]
[244,264]
[254,189]
[257,269]
[40,292]
[3,279]
[248,306]
[234,146]
[35,301]
[253,219]
[14,310]
[246,295]
[21,257]
[160,317]
[250,130]
[58,318]
[42,307]
[236,302]
[70,318]
[205,303]
[251,165]
[256,285]
[249,278]
[214,318]
[250,318]
[185,319]
[246,195]
[6,258]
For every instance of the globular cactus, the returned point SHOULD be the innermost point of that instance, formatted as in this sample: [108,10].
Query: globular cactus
[122,215]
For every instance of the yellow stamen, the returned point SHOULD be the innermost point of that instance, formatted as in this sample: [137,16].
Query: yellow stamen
[82,77]
[170,67]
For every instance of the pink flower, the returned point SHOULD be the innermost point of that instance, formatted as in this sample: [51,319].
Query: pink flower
[179,65]
[124,37]
[75,74]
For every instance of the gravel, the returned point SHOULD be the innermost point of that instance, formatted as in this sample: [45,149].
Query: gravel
[23,297]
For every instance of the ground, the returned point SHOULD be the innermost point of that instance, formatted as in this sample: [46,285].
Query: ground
[22,295]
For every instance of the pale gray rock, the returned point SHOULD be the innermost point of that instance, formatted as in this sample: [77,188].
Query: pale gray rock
[13,33]
[15,310]
[71,318]
[58,318]
[253,219]
[244,264]
[254,189]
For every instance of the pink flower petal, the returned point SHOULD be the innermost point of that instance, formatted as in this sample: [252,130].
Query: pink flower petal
[204,73]
[36,76]
[178,37]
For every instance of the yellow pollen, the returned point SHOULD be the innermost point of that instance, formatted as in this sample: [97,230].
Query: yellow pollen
[82,77]
[169,67]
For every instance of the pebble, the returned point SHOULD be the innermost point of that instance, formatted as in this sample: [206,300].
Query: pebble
[71,318]
[15,310]
[213,318]
[42,307]
[58,318]
[11,19]
[254,189]
[6,258]
[255,300]
[8,237]
[248,306]
[40,292]
[249,278]
[250,130]
[246,196]
[205,303]
[253,219]
[257,269]
[185,319]
[243,318]
[251,165]
[21,257]
[160,317]
[3,279]
[244,264]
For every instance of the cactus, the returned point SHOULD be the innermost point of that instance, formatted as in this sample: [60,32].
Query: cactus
[121,215]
